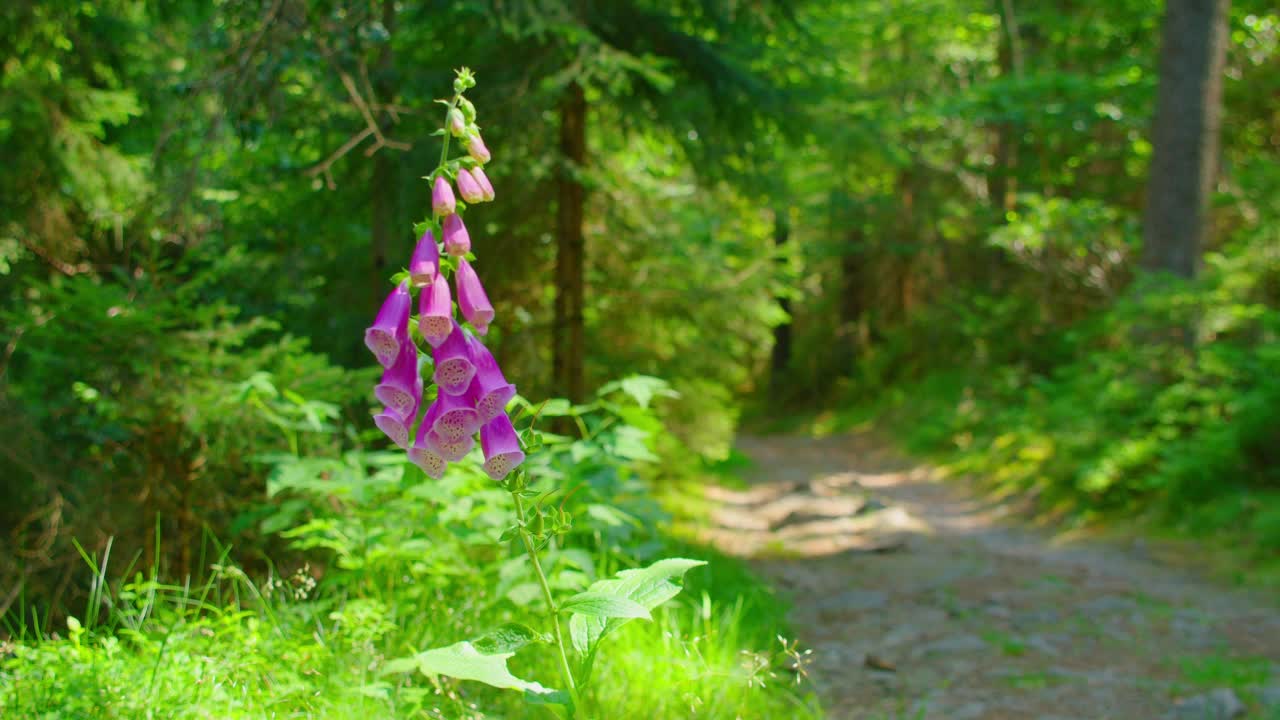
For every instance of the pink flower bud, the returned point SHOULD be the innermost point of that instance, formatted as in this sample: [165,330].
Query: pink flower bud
[486,189]
[457,123]
[472,299]
[476,148]
[442,202]
[468,188]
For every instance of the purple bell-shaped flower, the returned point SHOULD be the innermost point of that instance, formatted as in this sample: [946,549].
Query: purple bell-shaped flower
[454,368]
[453,417]
[424,265]
[451,450]
[501,445]
[490,388]
[435,312]
[401,386]
[389,422]
[422,455]
[457,241]
[391,327]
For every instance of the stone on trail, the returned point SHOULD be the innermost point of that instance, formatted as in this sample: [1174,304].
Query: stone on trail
[1220,704]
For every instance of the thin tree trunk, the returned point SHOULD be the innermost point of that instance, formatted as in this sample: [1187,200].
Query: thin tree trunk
[781,358]
[1185,135]
[1002,181]
[851,293]
[568,341]
[382,200]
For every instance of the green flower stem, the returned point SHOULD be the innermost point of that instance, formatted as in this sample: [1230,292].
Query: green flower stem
[444,150]
[554,611]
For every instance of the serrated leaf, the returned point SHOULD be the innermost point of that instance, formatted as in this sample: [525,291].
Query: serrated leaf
[602,605]
[463,661]
[648,587]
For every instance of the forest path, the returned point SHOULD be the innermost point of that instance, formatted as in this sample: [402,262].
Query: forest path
[920,599]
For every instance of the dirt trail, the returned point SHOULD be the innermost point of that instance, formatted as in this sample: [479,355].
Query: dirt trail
[922,601]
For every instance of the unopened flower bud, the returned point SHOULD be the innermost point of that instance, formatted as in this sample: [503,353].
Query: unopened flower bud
[469,188]
[456,122]
[482,180]
[476,148]
[442,202]
[472,299]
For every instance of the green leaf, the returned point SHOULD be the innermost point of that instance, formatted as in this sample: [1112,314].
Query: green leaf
[648,587]
[465,662]
[509,638]
[602,605]
[558,702]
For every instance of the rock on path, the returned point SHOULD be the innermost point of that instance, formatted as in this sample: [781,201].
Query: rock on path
[921,600]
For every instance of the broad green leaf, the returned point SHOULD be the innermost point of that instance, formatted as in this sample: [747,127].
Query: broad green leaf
[465,662]
[602,605]
[558,702]
[648,587]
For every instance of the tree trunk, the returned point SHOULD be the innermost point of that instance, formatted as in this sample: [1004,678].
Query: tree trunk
[1002,181]
[568,341]
[1185,135]
[382,189]
[851,294]
[781,359]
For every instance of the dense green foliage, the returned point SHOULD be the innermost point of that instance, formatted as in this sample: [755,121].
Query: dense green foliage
[407,563]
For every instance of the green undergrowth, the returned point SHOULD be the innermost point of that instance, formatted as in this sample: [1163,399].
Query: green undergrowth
[383,563]
[1057,449]
[225,650]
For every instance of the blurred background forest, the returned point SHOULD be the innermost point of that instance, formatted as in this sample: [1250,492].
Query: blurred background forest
[924,213]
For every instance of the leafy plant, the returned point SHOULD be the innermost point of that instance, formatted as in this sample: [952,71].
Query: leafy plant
[471,395]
